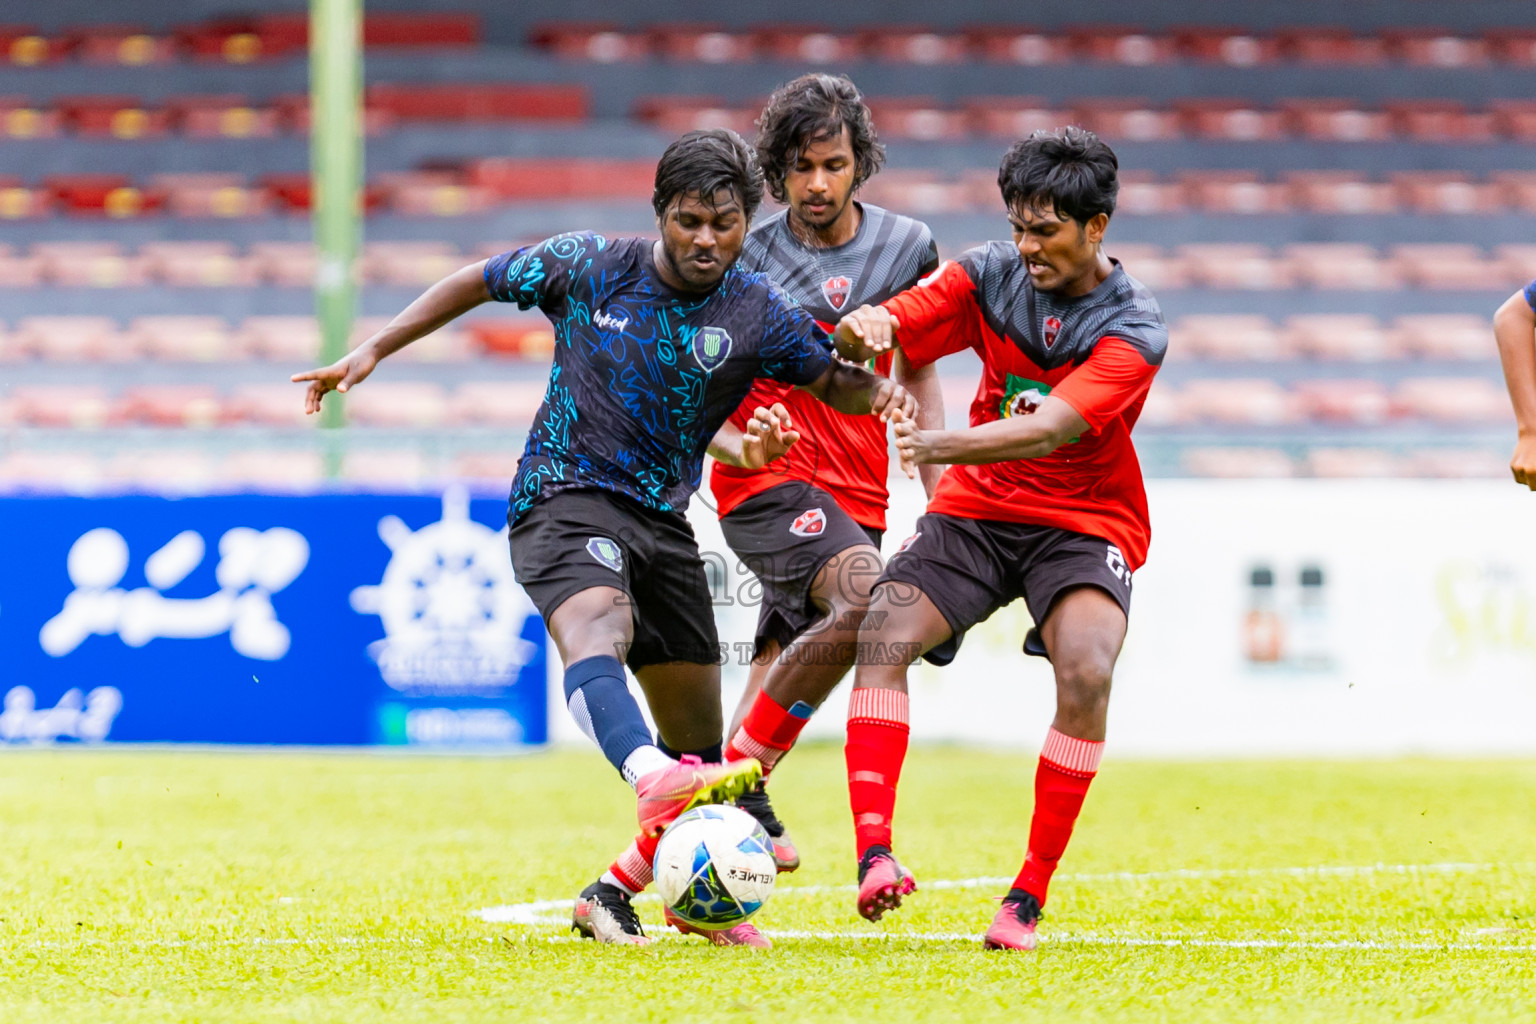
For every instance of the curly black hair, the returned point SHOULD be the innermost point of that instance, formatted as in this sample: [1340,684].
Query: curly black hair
[810,109]
[1070,171]
[701,163]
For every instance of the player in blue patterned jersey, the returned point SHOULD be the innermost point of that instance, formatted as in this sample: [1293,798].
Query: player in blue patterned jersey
[657,343]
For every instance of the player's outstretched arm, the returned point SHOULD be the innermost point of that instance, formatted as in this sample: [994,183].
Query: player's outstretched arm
[857,392]
[865,333]
[1514,328]
[1041,432]
[767,437]
[452,297]
[923,385]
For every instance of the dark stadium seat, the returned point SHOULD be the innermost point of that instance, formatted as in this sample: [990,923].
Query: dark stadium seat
[109,195]
[1012,117]
[116,44]
[1336,120]
[807,44]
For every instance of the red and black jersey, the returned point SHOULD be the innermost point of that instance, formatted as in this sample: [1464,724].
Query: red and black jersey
[846,456]
[1096,352]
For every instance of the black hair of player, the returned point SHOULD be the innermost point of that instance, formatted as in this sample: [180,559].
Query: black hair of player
[814,108]
[701,163]
[1070,171]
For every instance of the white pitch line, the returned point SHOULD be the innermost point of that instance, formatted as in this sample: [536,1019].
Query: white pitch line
[1089,939]
[540,912]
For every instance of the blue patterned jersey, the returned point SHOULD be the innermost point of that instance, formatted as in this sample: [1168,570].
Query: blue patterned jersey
[643,375]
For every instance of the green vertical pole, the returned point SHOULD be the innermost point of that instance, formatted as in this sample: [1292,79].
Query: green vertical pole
[336,169]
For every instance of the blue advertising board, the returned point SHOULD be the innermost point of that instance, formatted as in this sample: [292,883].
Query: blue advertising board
[321,619]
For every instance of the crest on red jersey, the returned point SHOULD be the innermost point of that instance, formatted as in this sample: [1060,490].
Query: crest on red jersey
[836,291]
[809,523]
[1050,328]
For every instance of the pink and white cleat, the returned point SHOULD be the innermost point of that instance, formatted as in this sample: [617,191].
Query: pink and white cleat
[1014,924]
[668,792]
[744,934]
[882,883]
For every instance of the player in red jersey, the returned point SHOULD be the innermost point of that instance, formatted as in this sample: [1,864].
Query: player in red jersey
[809,525]
[1514,328]
[1043,497]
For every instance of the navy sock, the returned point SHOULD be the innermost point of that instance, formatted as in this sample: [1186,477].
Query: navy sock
[709,755]
[600,701]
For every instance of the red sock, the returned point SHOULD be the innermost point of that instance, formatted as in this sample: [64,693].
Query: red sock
[768,731]
[633,868]
[1067,766]
[877,744]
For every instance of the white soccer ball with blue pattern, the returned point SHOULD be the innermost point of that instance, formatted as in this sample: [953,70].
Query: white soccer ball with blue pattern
[714,866]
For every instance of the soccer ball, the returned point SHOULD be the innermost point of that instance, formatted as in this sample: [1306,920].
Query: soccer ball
[714,866]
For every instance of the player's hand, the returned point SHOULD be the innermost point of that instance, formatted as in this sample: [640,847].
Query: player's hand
[866,332]
[1523,465]
[890,398]
[914,445]
[351,369]
[767,437]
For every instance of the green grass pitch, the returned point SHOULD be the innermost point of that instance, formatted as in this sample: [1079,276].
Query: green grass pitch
[154,886]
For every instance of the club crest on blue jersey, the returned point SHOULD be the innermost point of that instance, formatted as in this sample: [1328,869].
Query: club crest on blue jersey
[607,553]
[711,347]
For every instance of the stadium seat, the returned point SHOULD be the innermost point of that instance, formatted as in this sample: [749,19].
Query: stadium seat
[599,43]
[1445,336]
[182,338]
[286,264]
[268,405]
[1150,264]
[806,44]
[1014,44]
[1241,192]
[1518,189]
[23,118]
[1341,337]
[274,468]
[1230,120]
[1235,265]
[402,466]
[914,45]
[918,117]
[197,264]
[288,339]
[291,192]
[1354,463]
[1331,46]
[1435,48]
[1453,400]
[117,44]
[1164,407]
[1230,337]
[169,405]
[1332,120]
[1141,193]
[1515,119]
[26,47]
[96,195]
[1519,261]
[1361,402]
[1121,46]
[19,270]
[1226,46]
[702,44]
[227,116]
[1238,462]
[116,117]
[210,195]
[919,192]
[1513,46]
[498,403]
[494,102]
[389,403]
[689,113]
[88,265]
[1127,120]
[1012,117]
[440,193]
[1441,266]
[1247,401]
[1339,192]
[426,28]
[1340,266]
[517,337]
[71,339]
[77,406]
[17,202]
[528,179]
[1439,121]
[409,263]
[1447,192]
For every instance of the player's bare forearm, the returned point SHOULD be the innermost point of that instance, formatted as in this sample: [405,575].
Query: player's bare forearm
[850,389]
[923,385]
[1031,436]
[1514,329]
[865,333]
[447,300]
[725,446]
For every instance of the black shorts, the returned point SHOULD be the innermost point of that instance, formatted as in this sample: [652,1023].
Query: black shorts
[575,540]
[784,536]
[969,568]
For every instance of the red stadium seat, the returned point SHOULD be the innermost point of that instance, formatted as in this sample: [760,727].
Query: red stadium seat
[88,265]
[235,40]
[675,115]
[1336,337]
[289,339]
[914,45]
[229,116]
[1518,189]
[1440,121]
[1238,462]
[1459,267]
[18,202]
[409,263]
[496,102]
[25,47]
[1234,120]
[286,264]
[1127,120]
[1332,46]
[919,118]
[1435,48]
[1249,401]
[1014,44]
[117,44]
[919,192]
[1227,46]
[517,337]
[1121,46]
[1012,117]
[294,114]
[391,403]
[169,405]
[1447,192]
[77,406]
[18,270]
[272,468]
[267,405]
[600,43]
[520,179]
[22,118]
[182,338]
[498,403]
[1235,265]
[1515,119]
[71,339]
[197,264]
[1151,264]
[421,29]
[1230,337]
[291,192]
[433,194]
[1141,193]
[118,117]
[703,44]
[1513,46]
[1340,192]
[1453,400]
[807,44]
[95,195]
[1355,463]
[1234,192]
[210,195]
[1445,336]
[1329,120]
[1359,402]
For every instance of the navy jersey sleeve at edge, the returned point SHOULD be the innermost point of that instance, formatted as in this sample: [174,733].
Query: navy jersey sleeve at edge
[1530,296]
[795,350]
[542,274]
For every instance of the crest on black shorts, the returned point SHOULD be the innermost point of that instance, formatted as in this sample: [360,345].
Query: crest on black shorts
[909,542]
[836,290]
[607,552]
[711,347]
[810,523]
